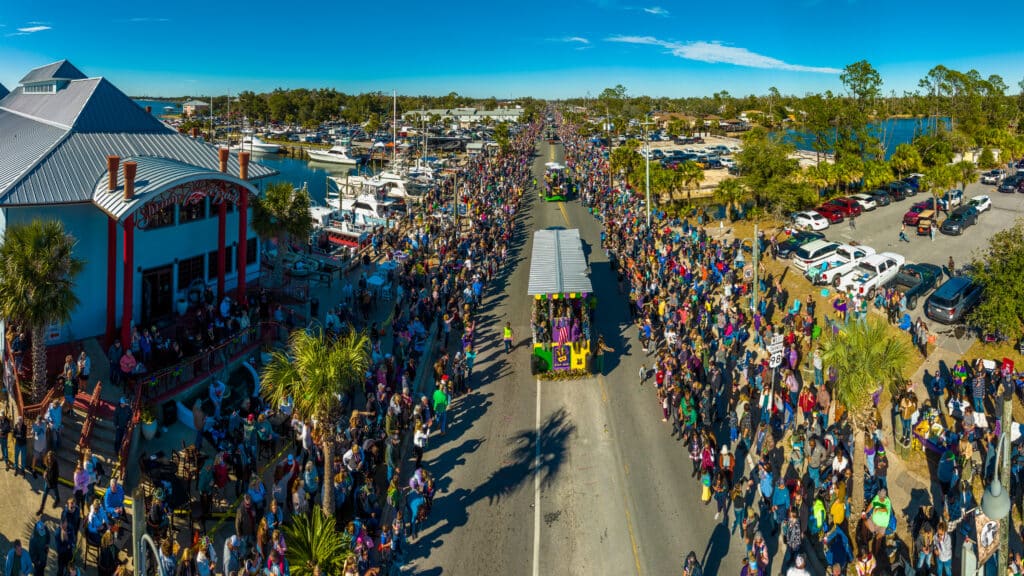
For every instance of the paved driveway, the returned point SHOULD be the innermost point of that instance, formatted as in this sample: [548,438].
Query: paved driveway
[880,229]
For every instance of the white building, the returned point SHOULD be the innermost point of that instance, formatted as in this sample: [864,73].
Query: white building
[153,211]
[466,116]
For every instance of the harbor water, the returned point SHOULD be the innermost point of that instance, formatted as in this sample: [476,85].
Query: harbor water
[892,132]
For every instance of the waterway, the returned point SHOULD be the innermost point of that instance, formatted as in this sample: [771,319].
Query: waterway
[892,132]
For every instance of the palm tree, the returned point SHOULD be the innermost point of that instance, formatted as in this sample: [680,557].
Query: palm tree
[37,278]
[315,545]
[730,192]
[692,175]
[866,358]
[937,180]
[315,372]
[282,212]
[965,172]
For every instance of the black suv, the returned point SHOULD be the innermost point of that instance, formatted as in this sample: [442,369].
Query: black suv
[959,220]
[881,197]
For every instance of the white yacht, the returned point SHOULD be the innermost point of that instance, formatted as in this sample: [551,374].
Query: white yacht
[337,154]
[253,143]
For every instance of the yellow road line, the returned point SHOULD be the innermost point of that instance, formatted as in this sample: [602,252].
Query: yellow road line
[604,391]
[561,206]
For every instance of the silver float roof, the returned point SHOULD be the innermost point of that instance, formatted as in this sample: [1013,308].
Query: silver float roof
[558,265]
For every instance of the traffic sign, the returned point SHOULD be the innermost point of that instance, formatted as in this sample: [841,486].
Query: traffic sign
[775,349]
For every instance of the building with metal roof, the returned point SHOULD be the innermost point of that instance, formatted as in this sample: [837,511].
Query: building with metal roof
[557,264]
[151,209]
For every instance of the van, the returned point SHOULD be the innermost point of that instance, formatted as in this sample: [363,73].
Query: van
[813,253]
[924,222]
[951,301]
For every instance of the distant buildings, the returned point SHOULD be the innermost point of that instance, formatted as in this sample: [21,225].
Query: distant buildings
[465,116]
[193,107]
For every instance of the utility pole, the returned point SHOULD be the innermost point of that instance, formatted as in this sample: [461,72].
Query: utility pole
[647,171]
[757,261]
[1004,472]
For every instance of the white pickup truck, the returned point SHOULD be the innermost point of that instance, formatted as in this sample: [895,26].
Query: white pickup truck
[839,262]
[872,271]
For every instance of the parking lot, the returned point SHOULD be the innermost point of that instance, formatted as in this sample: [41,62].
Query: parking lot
[880,229]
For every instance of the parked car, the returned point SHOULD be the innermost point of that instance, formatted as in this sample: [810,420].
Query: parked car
[914,214]
[993,176]
[866,201]
[841,261]
[831,213]
[810,220]
[657,154]
[959,220]
[871,271]
[728,163]
[796,240]
[881,197]
[951,199]
[813,253]
[848,206]
[982,203]
[951,301]
[914,181]
[914,281]
[900,190]
[1010,183]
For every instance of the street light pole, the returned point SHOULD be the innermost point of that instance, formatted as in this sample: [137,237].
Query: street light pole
[647,170]
[757,260]
[1004,472]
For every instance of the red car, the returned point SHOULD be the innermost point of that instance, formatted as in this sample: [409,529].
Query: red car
[847,206]
[914,214]
[831,213]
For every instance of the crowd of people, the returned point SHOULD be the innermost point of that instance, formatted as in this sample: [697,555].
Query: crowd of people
[770,444]
[440,269]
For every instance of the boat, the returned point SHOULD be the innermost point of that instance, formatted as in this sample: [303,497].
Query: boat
[255,144]
[333,228]
[337,154]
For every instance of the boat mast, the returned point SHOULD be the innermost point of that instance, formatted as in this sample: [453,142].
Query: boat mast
[394,126]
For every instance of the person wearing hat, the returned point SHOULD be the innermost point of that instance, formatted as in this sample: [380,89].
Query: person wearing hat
[232,555]
[122,416]
[726,463]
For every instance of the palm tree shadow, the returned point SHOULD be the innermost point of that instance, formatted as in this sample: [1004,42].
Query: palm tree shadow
[523,463]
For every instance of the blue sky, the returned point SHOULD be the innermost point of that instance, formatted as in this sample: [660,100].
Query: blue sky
[530,47]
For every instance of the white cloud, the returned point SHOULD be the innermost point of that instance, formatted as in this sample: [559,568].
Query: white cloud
[717,53]
[577,39]
[33,29]
[148,19]
[656,10]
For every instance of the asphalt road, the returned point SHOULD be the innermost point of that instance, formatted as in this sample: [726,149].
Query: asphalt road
[880,229]
[606,490]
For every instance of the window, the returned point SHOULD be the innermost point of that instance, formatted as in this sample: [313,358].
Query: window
[251,251]
[211,268]
[192,211]
[48,88]
[162,219]
[188,270]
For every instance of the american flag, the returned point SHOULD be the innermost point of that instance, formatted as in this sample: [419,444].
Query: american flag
[561,330]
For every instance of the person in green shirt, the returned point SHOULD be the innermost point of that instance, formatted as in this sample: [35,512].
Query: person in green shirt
[879,510]
[441,403]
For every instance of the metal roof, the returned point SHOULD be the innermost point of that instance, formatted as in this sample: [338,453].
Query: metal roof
[69,172]
[90,105]
[153,176]
[22,142]
[54,147]
[60,70]
[557,265]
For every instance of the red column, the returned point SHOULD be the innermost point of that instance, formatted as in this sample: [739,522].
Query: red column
[129,281]
[222,221]
[111,278]
[242,252]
